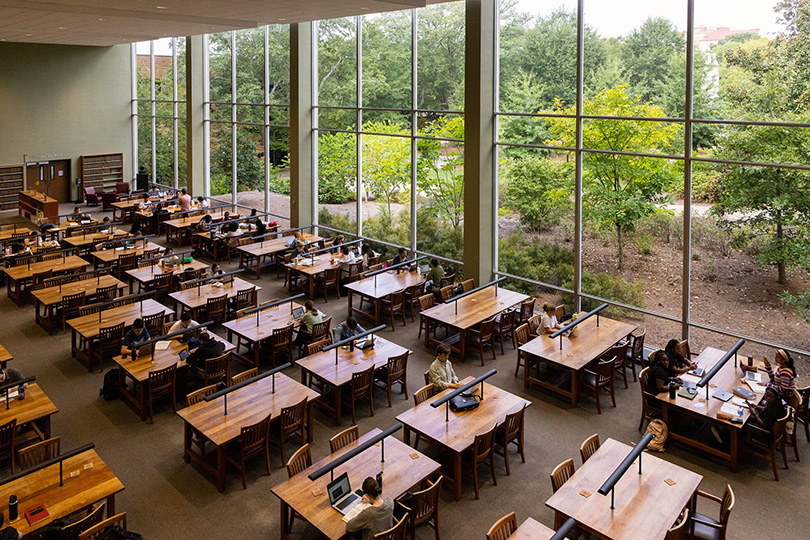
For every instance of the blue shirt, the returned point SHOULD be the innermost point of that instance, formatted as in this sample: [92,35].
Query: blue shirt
[346,332]
[131,339]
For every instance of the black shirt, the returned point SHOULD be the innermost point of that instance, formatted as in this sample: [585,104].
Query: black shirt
[657,372]
[675,361]
[207,350]
[771,413]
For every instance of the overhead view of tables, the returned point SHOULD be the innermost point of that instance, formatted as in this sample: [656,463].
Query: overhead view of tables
[376,288]
[49,299]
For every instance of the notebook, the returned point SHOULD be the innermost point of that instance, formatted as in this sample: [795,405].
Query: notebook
[688,393]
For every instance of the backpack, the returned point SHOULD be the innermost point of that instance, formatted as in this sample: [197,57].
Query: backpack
[109,389]
[659,432]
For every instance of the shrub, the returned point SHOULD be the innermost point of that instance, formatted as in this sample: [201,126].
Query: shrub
[538,189]
[799,303]
[335,221]
[608,286]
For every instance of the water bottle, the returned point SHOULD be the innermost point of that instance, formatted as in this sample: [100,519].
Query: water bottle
[379,482]
[21,392]
[671,390]
[12,508]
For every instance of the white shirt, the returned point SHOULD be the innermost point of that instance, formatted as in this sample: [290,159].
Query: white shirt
[548,321]
[345,260]
[178,326]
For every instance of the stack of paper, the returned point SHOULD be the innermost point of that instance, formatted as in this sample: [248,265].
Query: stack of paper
[354,511]
[756,387]
[162,345]
[690,378]
[730,408]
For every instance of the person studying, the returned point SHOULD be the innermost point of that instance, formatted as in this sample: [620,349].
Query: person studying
[348,329]
[377,512]
[549,319]
[441,372]
[137,334]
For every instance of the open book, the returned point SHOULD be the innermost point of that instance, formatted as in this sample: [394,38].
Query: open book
[351,514]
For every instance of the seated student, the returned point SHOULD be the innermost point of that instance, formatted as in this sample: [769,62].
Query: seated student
[348,329]
[9,533]
[658,379]
[105,229]
[233,230]
[204,225]
[77,215]
[10,375]
[298,249]
[209,348]
[339,239]
[154,192]
[135,229]
[202,202]
[216,270]
[376,518]
[770,410]
[185,323]
[367,253]
[678,365]
[137,334]
[145,203]
[261,228]
[785,377]
[169,260]
[434,275]
[311,316]
[346,258]
[401,257]
[185,200]
[441,372]
[549,319]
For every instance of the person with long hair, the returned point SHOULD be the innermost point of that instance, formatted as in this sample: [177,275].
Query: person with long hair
[784,378]
[375,518]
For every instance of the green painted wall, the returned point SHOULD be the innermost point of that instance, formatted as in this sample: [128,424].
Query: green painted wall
[65,101]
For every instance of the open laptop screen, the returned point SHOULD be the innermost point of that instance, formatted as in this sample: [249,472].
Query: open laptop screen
[338,488]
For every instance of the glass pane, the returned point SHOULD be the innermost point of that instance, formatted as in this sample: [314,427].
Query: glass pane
[337,62]
[386,184]
[337,181]
[250,65]
[253,114]
[219,66]
[279,116]
[641,137]
[440,201]
[145,142]
[250,164]
[387,60]
[440,57]
[779,145]
[221,112]
[277,151]
[164,148]
[181,71]
[143,68]
[342,119]
[390,122]
[221,159]
[182,161]
[279,59]
[535,130]
[442,126]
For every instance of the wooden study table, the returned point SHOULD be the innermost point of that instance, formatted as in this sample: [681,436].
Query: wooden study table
[9,233]
[144,276]
[259,251]
[36,409]
[137,370]
[178,229]
[84,242]
[106,258]
[195,298]
[458,434]
[46,301]
[468,312]
[727,379]
[377,287]
[646,506]
[587,343]
[322,366]
[94,483]
[256,334]
[18,276]
[309,269]
[5,357]
[532,529]
[400,473]
[246,406]
[128,206]
[87,327]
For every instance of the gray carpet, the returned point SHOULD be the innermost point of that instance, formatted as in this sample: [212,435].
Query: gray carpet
[168,499]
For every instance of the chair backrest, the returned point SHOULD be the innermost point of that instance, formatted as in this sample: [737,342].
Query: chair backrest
[619,352]
[215,307]
[535,323]
[448,280]
[794,399]
[162,283]
[397,532]
[197,395]
[446,293]
[316,347]
[398,366]
[255,436]
[559,312]
[127,261]
[804,393]
[507,322]
[321,330]
[487,328]
[282,336]
[154,323]
[162,379]
[425,503]
[72,302]
[604,371]
[39,452]
[105,294]
[726,505]
[38,279]
[146,264]
[362,381]
[300,460]
[778,431]
[483,443]
[424,393]
[331,275]
[503,528]
[111,336]
[561,474]
[638,346]
[588,447]
[397,299]
[293,416]
[98,529]
[522,334]
[678,530]
[245,375]
[526,309]
[467,285]
[684,345]
[246,298]
[343,438]
[426,302]
[72,531]
[513,423]
[217,368]
[7,432]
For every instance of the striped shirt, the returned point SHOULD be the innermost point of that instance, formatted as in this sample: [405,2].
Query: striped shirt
[784,378]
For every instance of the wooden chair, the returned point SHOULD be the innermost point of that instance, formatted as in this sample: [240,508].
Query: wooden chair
[70,306]
[427,301]
[503,528]
[216,309]
[794,400]
[362,387]
[330,279]
[127,261]
[217,370]
[446,293]
[619,355]
[38,279]
[393,306]
[162,384]
[314,348]
[602,378]
[467,285]
[635,353]
[687,354]
[510,431]
[353,273]
[522,338]
[526,311]
[768,443]
[348,435]
[320,331]
[424,393]
[98,529]
[244,299]
[162,285]
[397,532]
[535,323]
[72,531]
[678,529]
[146,264]
[648,411]
[588,447]
[447,281]
[482,453]
[802,414]
[252,441]
[282,342]
[702,527]
[108,344]
[394,372]
[505,326]
[560,476]
[245,375]
[300,460]
[559,312]
[412,296]
[154,323]
[292,423]
[105,294]
[197,438]
[424,508]
[482,337]
[39,452]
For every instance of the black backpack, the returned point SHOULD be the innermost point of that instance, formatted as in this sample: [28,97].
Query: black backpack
[109,389]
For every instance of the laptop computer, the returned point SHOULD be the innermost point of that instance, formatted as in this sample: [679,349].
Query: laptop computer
[424,269]
[364,343]
[722,396]
[341,496]
[297,312]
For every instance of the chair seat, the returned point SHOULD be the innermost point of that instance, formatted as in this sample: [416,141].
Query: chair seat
[588,378]
[704,531]
[476,338]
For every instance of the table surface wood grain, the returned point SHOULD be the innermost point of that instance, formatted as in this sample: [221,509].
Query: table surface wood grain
[197,297]
[53,295]
[323,365]
[387,283]
[80,240]
[273,245]
[36,405]
[532,529]
[478,306]
[89,325]
[269,319]
[24,272]
[147,274]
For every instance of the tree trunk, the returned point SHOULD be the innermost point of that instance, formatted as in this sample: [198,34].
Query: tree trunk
[780,266]
[621,247]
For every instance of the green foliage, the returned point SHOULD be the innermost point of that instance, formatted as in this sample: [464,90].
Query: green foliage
[800,303]
[648,54]
[440,169]
[610,287]
[337,167]
[335,221]
[538,189]
[386,162]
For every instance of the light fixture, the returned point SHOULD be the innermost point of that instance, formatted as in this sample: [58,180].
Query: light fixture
[61,28]
[27,35]
[282,19]
[102,19]
[162,7]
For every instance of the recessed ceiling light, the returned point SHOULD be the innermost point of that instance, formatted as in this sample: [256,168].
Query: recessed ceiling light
[364,8]
[102,19]
[27,35]
[282,19]
[61,28]
[162,7]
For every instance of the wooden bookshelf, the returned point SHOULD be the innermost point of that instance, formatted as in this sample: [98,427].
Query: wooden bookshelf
[11,183]
[102,171]
[35,205]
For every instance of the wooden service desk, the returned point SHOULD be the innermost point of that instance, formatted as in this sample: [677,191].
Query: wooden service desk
[85,329]
[95,482]
[246,406]
[727,379]
[137,370]
[377,287]
[144,276]
[257,253]
[322,366]
[532,530]
[18,276]
[586,344]
[194,299]
[458,433]
[47,301]
[400,473]
[36,409]
[309,270]
[255,335]
[470,311]
[5,357]
[646,505]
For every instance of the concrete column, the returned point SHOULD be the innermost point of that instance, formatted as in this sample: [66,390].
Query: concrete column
[303,169]
[195,114]
[479,157]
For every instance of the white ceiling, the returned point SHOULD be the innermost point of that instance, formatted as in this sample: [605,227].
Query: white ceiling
[112,22]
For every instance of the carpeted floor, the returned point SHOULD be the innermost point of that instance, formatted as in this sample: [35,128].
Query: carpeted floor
[168,499]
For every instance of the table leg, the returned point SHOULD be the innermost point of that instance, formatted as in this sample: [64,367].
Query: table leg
[350,302]
[310,424]
[463,345]
[111,505]
[377,304]
[144,397]
[46,427]
[457,474]
[73,342]
[406,434]
[338,401]
[427,333]
[259,267]
[187,443]
[312,288]
[574,387]
[733,450]
[285,531]
[221,463]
